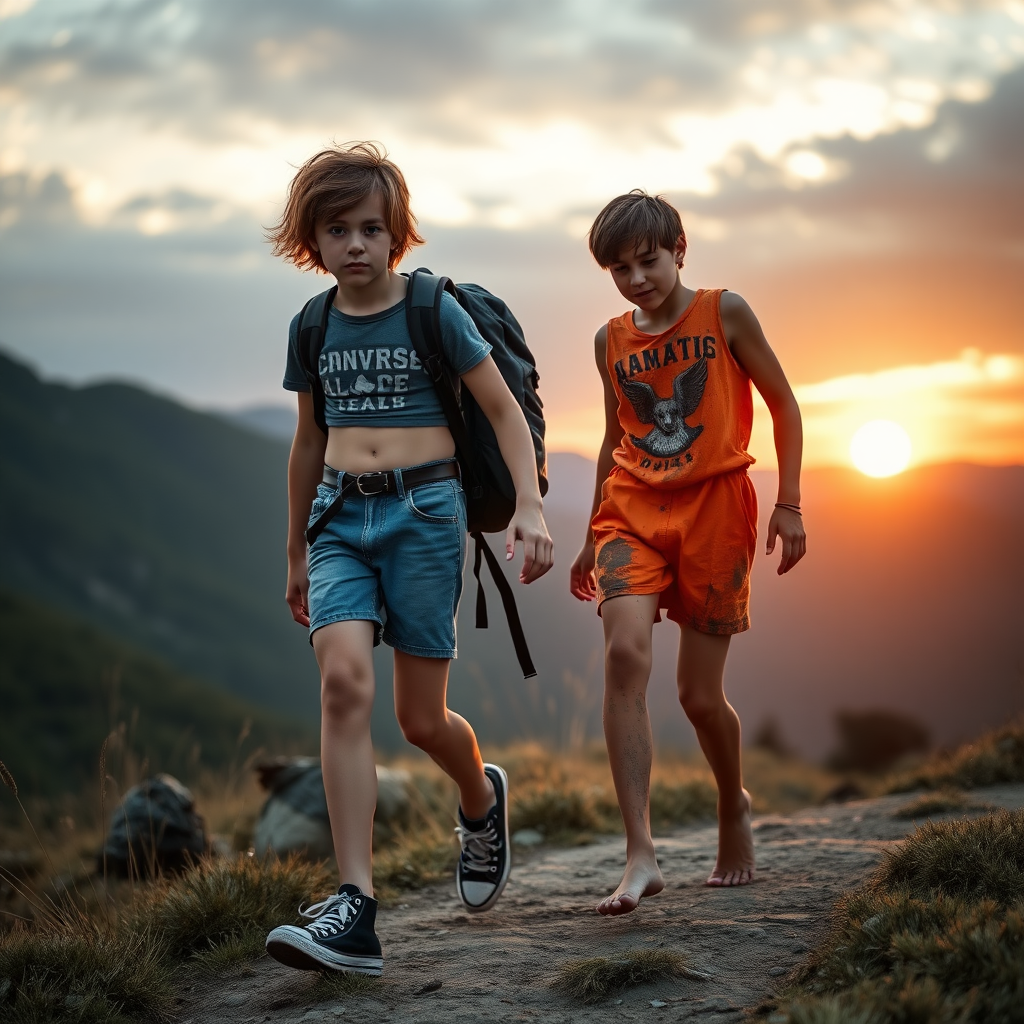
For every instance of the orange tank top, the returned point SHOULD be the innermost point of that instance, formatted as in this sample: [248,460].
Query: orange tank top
[685,404]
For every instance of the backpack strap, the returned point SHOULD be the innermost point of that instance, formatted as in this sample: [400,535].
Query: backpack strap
[423,315]
[508,600]
[312,328]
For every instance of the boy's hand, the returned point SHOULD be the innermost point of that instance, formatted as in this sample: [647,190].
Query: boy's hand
[788,526]
[581,575]
[297,591]
[527,524]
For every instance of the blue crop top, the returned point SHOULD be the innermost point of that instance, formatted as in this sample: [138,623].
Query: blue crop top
[371,374]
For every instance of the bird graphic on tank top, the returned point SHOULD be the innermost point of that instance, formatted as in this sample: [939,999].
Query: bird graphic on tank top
[671,434]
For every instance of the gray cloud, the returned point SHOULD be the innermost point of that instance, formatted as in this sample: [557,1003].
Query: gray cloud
[956,182]
[422,64]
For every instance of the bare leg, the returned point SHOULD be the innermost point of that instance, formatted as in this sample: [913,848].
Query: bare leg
[700,678]
[628,621]
[421,686]
[344,651]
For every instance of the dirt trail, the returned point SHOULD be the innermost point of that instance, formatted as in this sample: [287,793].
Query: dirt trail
[499,966]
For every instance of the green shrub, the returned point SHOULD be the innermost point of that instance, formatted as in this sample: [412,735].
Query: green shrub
[872,741]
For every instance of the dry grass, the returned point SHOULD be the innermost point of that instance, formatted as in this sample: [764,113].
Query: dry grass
[341,985]
[78,973]
[997,757]
[231,903]
[936,935]
[942,801]
[597,977]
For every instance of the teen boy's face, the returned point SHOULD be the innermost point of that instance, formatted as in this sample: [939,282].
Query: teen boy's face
[355,244]
[649,277]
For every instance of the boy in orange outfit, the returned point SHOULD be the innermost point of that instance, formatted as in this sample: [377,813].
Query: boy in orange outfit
[675,516]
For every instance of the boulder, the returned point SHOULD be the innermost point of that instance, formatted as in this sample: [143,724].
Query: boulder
[155,828]
[294,818]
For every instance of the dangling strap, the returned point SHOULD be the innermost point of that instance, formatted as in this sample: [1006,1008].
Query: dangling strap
[515,627]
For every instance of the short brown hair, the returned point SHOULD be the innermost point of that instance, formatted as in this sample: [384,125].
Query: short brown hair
[634,220]
[333,181]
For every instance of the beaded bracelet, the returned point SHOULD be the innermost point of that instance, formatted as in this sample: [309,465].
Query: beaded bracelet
[787,505]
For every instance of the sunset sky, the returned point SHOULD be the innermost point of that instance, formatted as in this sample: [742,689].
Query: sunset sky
[853,169]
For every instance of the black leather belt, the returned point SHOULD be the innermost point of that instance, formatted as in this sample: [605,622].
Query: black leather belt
[384,481]
[377,482]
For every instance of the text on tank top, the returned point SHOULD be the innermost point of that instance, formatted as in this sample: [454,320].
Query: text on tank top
[685,404]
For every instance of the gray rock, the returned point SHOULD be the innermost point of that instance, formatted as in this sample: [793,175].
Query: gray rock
[527,837]
[154,827]
[294,818]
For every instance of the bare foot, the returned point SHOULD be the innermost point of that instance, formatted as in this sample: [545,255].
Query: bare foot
[642,878]
[735,862]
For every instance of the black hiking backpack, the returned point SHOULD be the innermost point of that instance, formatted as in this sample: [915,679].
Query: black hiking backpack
[490,492]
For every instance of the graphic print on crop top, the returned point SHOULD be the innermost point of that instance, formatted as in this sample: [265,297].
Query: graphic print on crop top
[371,373]
[685,404]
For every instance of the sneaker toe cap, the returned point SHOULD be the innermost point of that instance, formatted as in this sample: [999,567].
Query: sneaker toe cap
[476,894]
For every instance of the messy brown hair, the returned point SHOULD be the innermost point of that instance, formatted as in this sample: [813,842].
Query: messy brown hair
[637,221]
[333,181]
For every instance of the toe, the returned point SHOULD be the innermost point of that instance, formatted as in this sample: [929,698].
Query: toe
[625,903]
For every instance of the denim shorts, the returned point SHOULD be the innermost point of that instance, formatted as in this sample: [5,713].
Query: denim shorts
[395,560]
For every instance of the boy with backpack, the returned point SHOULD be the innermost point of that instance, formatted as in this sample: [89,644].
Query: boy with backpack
[675,516]
[378,497]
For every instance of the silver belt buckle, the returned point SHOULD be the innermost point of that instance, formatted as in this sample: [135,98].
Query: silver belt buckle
[376,475]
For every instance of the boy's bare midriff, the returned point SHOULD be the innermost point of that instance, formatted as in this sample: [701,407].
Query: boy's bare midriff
[369,449]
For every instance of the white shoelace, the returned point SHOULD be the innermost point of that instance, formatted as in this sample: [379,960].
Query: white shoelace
[478,847]
[330,915]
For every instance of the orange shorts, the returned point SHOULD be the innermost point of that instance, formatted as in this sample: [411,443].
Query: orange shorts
[694,546]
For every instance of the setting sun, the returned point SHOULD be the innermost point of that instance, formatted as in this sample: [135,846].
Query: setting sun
[880,448]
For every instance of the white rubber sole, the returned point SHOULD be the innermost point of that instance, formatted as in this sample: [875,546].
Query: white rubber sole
[500,887]
[294,947]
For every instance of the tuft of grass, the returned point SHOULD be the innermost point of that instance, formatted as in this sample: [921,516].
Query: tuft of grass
[50,974]
[232,903]
[979,859]
[941,801]
[937,934]
[562,814]
[681,804]
[414,859]
[597,977]
[342,985]
[995,758]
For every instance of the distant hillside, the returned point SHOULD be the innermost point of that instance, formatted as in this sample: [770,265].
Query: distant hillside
[161,525]
[274,421]
[65,686]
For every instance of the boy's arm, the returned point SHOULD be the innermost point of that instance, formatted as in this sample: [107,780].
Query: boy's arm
[488,387]
[582,585]
[305,471]
[751,349]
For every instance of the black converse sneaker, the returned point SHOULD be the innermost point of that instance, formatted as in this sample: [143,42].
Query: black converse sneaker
[340,936]
[486,860]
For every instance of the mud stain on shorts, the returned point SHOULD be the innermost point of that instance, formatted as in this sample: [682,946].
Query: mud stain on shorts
[613,561]
[739,574]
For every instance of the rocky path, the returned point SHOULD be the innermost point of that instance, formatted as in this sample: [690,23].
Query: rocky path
[443,964]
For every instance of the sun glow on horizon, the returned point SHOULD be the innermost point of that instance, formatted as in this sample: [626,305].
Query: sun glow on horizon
[880,448]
